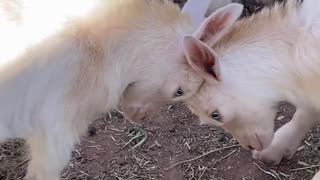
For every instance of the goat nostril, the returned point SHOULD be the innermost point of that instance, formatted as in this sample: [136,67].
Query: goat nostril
[250,147]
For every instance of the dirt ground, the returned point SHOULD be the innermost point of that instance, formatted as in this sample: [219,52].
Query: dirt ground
[170,146]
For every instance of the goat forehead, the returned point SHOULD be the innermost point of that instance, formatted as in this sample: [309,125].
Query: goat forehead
[215,97]
[202,103]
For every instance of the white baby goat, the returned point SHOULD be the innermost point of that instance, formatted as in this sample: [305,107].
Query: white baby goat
[270,57]
[128,51]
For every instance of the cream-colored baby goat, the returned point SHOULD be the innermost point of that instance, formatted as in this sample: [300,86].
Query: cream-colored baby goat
[128,51]
[270,57]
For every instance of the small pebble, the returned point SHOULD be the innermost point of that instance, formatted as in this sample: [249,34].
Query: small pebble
[280,118]
[300,148]
[302,163]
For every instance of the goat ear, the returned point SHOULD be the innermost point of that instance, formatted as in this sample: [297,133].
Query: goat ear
[202,59]
[215,5]
[196,9]
[218,23]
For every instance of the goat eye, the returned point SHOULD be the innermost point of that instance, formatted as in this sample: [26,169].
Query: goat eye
[179,92]
[216,116]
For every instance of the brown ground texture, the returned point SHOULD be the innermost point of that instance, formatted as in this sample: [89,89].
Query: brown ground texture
[116,149]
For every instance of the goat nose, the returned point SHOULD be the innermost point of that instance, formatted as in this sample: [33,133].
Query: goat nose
[250,148]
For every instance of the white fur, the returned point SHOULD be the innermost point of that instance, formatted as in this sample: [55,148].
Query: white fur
[270,57]
[317,176]
[124,52]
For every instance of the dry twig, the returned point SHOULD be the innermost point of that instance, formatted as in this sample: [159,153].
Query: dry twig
[304,168]
[225,156]
[267,172]
[205,154]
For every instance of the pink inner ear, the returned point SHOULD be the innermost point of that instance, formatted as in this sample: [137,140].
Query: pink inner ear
[214,26]
[201,57]
[208,63]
